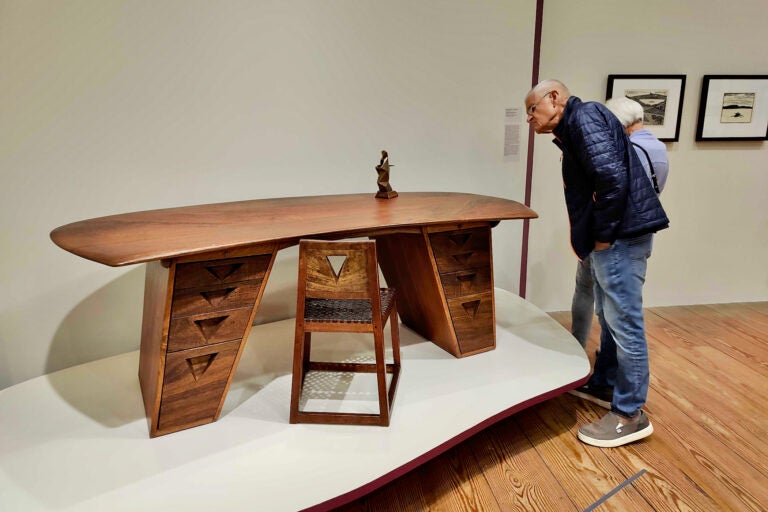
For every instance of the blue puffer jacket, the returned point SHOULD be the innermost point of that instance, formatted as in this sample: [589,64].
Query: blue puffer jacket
[607,193]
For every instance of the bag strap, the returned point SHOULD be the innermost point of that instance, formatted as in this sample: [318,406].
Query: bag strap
[650,165]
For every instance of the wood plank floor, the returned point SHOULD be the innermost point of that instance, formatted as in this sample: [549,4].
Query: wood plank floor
[708,402]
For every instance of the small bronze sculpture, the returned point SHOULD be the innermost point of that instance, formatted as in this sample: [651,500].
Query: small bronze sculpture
[385,190]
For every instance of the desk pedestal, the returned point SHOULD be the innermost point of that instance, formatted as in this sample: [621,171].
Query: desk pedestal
[445,280]
[196,316]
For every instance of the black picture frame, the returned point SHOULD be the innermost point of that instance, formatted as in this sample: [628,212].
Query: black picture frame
[661,97]
[733,108]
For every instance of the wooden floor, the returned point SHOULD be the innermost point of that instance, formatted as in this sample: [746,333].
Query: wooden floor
[708,403]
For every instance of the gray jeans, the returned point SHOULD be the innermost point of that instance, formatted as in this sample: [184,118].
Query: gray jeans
[583,304]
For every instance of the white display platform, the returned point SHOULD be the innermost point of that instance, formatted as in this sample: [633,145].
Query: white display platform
[77,439]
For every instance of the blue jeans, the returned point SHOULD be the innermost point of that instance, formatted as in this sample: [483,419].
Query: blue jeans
[582,305]
[619,275]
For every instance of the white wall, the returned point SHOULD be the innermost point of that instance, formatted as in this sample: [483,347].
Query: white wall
[717,246]
[110,106]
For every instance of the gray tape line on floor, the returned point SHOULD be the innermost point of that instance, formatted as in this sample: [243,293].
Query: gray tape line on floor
[614,491]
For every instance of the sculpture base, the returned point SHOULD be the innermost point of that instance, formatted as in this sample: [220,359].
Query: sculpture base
[389,194]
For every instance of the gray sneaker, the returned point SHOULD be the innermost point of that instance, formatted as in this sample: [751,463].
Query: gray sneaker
[600,395]
[613,430]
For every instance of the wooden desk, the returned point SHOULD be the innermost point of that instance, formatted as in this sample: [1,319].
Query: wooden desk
[207,266]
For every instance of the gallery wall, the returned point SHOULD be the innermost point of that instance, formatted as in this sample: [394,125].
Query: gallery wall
[716,248]
[113,106]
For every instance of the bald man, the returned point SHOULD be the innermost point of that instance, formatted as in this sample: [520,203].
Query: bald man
[653,155]
[613,212]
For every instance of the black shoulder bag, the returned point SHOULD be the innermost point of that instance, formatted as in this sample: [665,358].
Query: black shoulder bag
[650,165]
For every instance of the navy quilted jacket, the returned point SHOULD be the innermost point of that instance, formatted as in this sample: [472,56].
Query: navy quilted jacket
[607,192]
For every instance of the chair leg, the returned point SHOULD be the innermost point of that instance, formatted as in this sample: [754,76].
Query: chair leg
[300,364]
[307,351]
[381,374]
[395,354]
[395,336]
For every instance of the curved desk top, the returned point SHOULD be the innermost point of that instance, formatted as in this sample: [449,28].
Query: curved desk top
[139,237]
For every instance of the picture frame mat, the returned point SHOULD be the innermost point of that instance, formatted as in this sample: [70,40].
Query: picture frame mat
[713,104]
[674,85]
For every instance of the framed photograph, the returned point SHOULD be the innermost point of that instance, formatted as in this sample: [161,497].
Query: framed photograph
[733,107]
[661,97]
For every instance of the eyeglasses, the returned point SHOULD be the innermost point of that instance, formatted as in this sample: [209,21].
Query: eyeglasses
[532,108]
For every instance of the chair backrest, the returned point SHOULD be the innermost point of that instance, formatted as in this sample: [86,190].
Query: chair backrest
[338,269]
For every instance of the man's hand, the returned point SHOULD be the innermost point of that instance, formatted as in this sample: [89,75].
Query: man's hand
[601,246]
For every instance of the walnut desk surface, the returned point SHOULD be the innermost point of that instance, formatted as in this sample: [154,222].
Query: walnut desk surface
[207,266]
[140,237]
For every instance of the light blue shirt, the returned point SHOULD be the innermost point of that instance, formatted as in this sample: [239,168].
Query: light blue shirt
[658,153]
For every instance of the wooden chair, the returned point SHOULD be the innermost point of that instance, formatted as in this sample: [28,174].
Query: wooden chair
[336,298]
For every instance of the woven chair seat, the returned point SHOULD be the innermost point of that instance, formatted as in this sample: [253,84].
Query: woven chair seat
[356,311]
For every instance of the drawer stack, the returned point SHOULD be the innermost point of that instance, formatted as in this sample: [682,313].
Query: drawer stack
[463,259]
[211,310]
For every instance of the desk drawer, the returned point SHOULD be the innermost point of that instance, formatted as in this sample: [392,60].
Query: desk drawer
[462,250]
[466,282]
[206,329]
[207,299]
[472,317]
[207,273]
[194,383]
